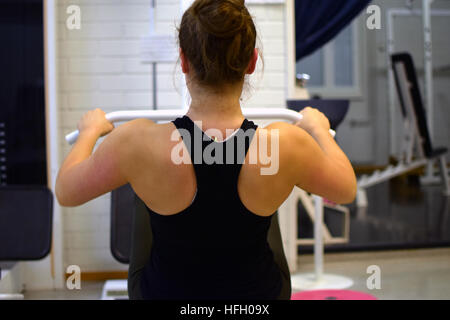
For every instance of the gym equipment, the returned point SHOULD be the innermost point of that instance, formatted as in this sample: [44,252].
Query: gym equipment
[27,158]
[426,13]
[335,110]
[25,228]
[124,207]
[417,148]
[25,222]
[22,112]
[168,115]
[120,239]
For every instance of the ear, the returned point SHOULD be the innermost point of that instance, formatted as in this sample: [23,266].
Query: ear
[252,65]
[184,62]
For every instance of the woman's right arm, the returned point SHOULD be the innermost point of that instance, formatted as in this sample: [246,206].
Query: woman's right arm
[318,164]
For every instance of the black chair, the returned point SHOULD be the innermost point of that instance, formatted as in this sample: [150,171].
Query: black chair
[131,239]
[26,214]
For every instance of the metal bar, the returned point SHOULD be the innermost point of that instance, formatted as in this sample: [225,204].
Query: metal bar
[153,31]
[51,111]
[428,63]
[331,240]
[168,115]
[444,174]
[416,12]
[390,82]
[310,242]
[308,204]
[318,237]
[389,173]
[428,70]
[155,87]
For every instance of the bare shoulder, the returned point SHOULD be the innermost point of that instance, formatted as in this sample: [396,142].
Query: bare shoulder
[296,146]
[134,136]
[139,129]
[135,127]
[141,143]
[289,134]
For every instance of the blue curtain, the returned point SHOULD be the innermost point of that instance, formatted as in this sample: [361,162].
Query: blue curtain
[319,21]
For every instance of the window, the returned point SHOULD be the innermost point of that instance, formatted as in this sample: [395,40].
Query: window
[334,69]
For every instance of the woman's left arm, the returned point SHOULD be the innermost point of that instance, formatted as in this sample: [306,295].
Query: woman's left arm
[84,176]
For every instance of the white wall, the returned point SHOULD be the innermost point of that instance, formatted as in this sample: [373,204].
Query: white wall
[99,66]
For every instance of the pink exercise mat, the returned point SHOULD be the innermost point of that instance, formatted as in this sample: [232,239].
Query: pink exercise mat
[332,295]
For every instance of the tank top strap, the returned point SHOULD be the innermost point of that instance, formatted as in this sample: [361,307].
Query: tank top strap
[216,160]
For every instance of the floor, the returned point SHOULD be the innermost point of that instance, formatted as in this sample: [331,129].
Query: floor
[405,274]
[90,290]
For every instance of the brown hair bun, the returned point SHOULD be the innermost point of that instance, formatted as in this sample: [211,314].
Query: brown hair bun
[218,38]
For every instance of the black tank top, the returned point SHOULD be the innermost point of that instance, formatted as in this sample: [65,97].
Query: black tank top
[216,248]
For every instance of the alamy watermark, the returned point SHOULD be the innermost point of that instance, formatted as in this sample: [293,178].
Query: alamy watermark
[73,21]
[374,280]
[264,151]
[73,281]
[373,22]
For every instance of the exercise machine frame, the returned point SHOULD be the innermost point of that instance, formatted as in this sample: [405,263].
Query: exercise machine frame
[427,13]
[417,150]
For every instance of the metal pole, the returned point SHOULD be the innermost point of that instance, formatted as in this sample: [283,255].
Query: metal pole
[318,238]
[168,115]
[319,280]
[51,101]
[391,85]
[428,64]
[155,86]
[428,74]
